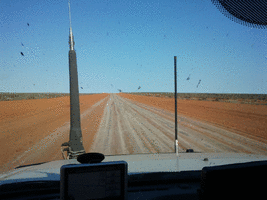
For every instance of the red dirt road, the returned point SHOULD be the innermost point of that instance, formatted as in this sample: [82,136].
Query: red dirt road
[32,131]
[26,124]
[244,119]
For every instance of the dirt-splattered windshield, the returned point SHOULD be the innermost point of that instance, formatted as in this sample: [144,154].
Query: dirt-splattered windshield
[125,53]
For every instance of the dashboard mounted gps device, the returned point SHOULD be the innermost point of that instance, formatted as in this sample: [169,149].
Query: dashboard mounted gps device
[107,180]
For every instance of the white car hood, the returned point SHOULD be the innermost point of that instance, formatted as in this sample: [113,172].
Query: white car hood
[141,163]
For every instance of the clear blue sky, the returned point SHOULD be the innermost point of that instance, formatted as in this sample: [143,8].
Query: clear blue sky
[127,44]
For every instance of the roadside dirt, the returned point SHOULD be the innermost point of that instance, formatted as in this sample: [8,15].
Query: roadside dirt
[244,119]
[25,123]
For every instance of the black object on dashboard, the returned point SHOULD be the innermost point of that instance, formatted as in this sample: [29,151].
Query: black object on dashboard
[189,150]
[234,181]
[105,181]
[90,158]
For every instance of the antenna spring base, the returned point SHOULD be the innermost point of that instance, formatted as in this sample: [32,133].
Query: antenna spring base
[75,154]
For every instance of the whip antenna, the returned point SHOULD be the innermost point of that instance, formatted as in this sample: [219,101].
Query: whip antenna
[75,144]
[175,97]
[71,39]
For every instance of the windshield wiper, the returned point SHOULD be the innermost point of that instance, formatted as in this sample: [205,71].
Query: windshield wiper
[30,165]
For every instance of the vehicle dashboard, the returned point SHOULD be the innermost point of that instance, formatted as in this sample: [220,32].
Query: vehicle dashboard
[231,181]
[171,185]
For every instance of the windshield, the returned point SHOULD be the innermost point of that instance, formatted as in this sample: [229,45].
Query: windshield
[125,60]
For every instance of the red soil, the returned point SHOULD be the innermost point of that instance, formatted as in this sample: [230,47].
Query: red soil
[244,119]
[25,122]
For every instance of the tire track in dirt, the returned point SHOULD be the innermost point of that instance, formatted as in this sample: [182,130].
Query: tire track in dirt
[133,127]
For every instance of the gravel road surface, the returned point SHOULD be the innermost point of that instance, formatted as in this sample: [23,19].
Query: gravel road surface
[129,127]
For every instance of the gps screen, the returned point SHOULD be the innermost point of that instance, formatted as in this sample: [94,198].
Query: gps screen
[94,181]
